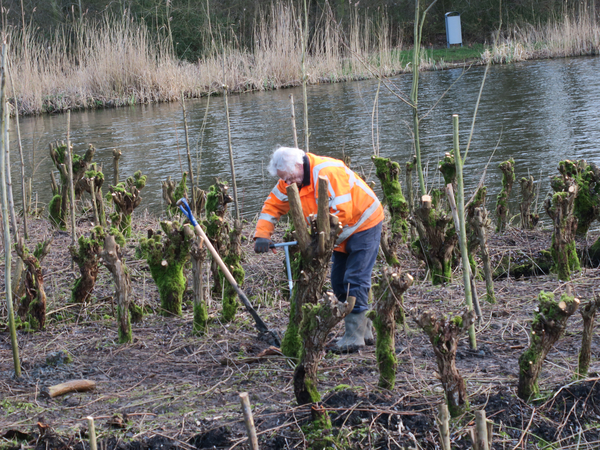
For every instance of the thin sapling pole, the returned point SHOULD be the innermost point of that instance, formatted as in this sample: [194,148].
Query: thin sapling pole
[69,161]
[235,196]
[6,225]
[462,237]
[92,433]
[19,143]
[116,156]
[9,192]
[443,420]
[304,37]
[295,131]
[189,155]
[249,421]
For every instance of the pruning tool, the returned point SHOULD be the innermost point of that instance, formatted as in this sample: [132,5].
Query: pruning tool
[260,325]
[286,247]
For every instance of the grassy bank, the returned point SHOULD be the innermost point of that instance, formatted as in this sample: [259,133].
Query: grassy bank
[118,62]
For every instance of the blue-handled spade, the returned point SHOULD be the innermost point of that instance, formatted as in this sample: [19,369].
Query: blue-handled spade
[260,325]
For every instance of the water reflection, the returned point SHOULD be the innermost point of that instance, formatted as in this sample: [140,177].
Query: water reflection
[536,112]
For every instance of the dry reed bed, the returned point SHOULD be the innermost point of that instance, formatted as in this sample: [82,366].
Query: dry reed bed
[118,62]
[171,384]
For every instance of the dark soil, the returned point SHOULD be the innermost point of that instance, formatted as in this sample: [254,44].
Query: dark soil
[170,389]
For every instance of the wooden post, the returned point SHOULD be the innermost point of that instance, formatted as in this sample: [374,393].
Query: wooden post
[444,425]
[294,121]
[69,164]
[189,156]
[249,421]
[116,156]
[6,225]
[481,431]
[92,433]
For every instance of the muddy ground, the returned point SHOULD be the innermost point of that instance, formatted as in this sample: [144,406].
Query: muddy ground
[169,389]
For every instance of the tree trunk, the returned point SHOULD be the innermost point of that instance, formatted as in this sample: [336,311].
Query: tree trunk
[508,178]
[199,253]
[444,334]
[549,324]
[388,309]
[116,156]
[560,209]
[126,197]
[86,257]
[528,220]
[436,242]
[588,313]
[111,256]
[481,223]
[32,307]
[234,262]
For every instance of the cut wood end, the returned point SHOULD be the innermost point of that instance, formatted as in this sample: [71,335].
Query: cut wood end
[562,305]
[409,276]
[164,263]
[426,198]
[571,189]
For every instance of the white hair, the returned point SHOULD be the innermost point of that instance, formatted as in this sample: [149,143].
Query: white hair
[285,159]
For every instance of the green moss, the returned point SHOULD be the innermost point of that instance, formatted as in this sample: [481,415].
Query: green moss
[230,303]
[200,319]
[457,321]
[448,168]
[508,178]
[386,354]
[124,335]
[55,213]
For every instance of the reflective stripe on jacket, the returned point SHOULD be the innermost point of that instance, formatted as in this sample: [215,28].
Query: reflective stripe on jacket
[350,199]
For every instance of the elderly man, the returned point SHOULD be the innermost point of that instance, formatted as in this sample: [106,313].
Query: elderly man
[359,212]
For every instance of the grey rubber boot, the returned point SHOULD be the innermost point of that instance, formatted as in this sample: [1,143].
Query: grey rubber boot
[354,333]
[369,339]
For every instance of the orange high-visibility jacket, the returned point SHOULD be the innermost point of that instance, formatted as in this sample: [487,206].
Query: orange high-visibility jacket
[350,199]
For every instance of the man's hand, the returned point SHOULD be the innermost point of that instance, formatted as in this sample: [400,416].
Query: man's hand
[261,245]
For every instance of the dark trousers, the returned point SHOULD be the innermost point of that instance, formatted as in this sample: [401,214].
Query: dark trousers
[355,267]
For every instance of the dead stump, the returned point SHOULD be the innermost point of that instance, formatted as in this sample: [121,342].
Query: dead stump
[588,313]
[444,333]
[508,178]
[528,220]
[549,324]
[388,311]
[86,256]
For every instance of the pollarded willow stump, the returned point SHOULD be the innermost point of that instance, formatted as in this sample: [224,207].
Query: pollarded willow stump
[92,184]
[560,209]
[199,253]
[448,169]
[473,241]
[32,306]
[233,260]
[508,178]
[396,232]
[111,258]
[482,223]
[172,192]
[116,157]
[388,311]
[436,238]
[86,256]
[444,334]
[587,202]
[166,255]
[588,313]
[528,220]
[126,197]
[549,324]
[315,250]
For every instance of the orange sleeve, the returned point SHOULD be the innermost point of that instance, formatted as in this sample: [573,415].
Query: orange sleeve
[275,206]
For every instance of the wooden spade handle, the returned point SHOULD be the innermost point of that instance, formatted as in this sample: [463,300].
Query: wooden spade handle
[71,386]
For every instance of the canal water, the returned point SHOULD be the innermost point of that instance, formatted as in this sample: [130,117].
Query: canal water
[537,112]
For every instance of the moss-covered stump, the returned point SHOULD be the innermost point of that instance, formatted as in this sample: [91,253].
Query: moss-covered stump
[317,321]
[448,169]
[86,256]
[172,192]
[217,230]
[316,247]
[396,231]
[199,253]
[587,202]
[437,238]
[79,164]
[560,209]
[112,259]
[166,255]
[444,334]
[32,306]
[588,313]
[508,178]
[92,183]
[233,260]
[529,220]
[126,197]
[388,310]
[549,324]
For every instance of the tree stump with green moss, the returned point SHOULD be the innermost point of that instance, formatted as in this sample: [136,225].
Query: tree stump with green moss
[508,178]
[86,256]
[199,253]
[473,241]
[126,197]
[388,311]
[92,184]
[588,313]
[172,192]
[166,255]
[32,306]
[316,248]
[233,260]
[549,324]
[112,259]
[448,169]
[318,319]
[560,209]
[444,334]
[396,232]
[436,238]
[528,220]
